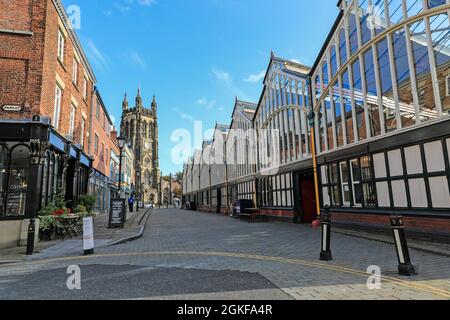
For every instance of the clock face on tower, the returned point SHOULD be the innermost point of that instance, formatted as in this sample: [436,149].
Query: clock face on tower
[146,145]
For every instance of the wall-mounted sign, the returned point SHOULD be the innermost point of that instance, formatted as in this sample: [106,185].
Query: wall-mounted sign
[11,108]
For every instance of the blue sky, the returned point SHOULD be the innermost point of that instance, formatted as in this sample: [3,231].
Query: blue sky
[195,55]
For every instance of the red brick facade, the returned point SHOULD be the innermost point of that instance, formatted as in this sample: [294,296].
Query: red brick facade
[30,69]
[416,223]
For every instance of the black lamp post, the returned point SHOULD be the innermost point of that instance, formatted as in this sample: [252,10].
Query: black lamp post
[121,143]
[138,187]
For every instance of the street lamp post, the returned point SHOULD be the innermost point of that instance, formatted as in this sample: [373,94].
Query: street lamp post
[121,143]
[138,182]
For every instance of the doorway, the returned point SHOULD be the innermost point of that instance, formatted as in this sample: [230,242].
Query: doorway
[305,197]
[219,200]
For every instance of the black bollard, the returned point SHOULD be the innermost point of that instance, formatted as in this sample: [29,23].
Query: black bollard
[398,229]
[325,219]
[30,237]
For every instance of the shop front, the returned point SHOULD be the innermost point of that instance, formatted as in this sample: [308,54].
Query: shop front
[35,164]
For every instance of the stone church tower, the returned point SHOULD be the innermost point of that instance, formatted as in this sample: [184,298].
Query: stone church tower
[139,125]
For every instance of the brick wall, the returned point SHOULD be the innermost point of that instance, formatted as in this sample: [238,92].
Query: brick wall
[21,55]
[21,19]
[29,66]
[416,223]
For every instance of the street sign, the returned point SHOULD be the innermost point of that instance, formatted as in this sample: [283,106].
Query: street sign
[88,235]
[117,213]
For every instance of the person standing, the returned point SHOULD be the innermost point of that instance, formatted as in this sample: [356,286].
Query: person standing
[131,203]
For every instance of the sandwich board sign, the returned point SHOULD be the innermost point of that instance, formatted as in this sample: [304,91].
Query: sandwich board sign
[117,213]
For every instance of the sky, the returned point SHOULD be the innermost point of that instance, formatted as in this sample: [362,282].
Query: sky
[196,56]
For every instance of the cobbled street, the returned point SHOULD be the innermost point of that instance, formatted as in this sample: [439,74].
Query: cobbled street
[193,255]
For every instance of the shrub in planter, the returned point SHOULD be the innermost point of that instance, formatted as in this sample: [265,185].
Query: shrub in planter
[87,201]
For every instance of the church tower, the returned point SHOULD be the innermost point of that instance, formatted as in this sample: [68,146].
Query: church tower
[139,125]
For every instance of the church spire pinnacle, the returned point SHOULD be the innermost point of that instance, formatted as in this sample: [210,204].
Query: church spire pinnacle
[138,97]
[125,102]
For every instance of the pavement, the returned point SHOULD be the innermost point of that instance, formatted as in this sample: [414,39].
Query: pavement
[186,255]
[102,234]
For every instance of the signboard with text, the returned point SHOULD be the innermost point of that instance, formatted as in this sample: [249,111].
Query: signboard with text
[117,213]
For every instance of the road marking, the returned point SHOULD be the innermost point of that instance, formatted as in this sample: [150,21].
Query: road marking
[333,267]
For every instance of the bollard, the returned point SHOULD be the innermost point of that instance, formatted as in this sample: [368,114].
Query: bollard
[325,218]
[30,237]
[405,267]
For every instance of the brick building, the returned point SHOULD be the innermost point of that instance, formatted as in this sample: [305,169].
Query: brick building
[102,143]
[46,93]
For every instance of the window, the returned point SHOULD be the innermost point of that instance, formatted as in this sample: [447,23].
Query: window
[57,108]
[3,176]
[61,43]
[83,126]
[102,153]
[345,184]
[72,121]
[97,109]
[96,143]
[84,89]
[75,72]
[17,182]
[107,155]
[275,191]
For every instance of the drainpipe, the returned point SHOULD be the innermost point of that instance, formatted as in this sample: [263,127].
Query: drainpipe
[311,121]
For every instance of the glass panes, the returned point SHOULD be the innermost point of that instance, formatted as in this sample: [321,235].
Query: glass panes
[358,99]
[325,74]
[371,94]
[384,65]
[356,182]
[338,115]
[353,33]
[413,7]
[440,37]
[322,131]
[342,47]
[329,115]
[18,181]
[422,71]
[395,11]
[379,18]
[406,105]
[333,60]
[366,23]
[346,96]
[345,183]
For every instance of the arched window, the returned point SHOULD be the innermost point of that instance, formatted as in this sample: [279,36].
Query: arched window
[18,180]
[147,177]
[3,172]
[132,130]
[144,130]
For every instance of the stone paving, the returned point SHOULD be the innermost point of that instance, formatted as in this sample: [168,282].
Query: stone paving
[285,254]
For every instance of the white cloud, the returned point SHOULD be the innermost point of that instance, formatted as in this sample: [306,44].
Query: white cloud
[255,77]
[183,115]
[147,2]
[136,58]
[96,56]
[205,102]
[226,80]
[221,75]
